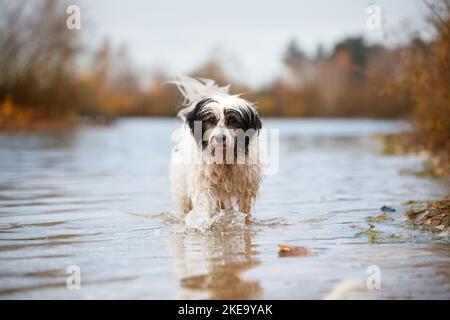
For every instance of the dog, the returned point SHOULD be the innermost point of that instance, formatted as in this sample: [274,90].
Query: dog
[215,164]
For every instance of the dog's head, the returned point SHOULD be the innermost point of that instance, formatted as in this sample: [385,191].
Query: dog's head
[224,125]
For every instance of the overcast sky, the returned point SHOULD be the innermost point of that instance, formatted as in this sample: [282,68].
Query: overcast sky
[250,36]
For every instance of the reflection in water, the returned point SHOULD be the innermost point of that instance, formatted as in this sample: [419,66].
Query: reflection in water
[210,265]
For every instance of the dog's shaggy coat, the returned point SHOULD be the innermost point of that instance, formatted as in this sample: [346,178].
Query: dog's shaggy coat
[215,163]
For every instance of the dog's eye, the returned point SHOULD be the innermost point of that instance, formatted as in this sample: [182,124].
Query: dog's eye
[210,120]
[232,120]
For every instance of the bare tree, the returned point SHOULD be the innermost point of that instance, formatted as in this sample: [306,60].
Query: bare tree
[38,55]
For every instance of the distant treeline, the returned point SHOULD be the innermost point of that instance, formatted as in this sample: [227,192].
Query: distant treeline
[46,72]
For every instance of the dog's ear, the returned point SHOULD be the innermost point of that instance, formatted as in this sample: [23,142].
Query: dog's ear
[190,119]
[195,114]
[252,119]
[252,125]
[255,121]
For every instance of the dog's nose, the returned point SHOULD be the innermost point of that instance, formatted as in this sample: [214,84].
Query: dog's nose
[220,138]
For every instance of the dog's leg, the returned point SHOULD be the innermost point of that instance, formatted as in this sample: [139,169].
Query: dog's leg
[179,189]
[185,205]
[247,182]
[207,204]
[245,205]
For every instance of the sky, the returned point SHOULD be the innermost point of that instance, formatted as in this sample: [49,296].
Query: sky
[248,37]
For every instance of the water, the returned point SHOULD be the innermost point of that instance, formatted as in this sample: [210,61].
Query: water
[98,199]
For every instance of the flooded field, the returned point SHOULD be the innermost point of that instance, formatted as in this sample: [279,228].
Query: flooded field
[98,199]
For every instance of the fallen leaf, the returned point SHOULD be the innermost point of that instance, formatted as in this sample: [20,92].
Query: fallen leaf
[294,251]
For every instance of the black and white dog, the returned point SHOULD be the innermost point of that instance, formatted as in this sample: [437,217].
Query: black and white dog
[215,163]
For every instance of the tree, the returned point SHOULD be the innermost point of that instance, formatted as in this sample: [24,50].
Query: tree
[37,57]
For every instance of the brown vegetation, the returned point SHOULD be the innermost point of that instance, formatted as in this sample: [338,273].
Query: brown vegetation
[37,60]
[430,215]
[427,77]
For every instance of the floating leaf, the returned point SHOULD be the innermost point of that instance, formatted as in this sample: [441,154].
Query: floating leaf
[294,251]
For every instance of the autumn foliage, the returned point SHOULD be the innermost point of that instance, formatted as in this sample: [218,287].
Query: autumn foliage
[427,77]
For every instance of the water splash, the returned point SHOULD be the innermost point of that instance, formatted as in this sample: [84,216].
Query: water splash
[197,221]
[222,221]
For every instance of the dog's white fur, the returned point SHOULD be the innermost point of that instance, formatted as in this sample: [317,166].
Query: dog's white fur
[200,182]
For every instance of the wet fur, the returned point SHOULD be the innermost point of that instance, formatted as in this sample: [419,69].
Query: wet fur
[197,183]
